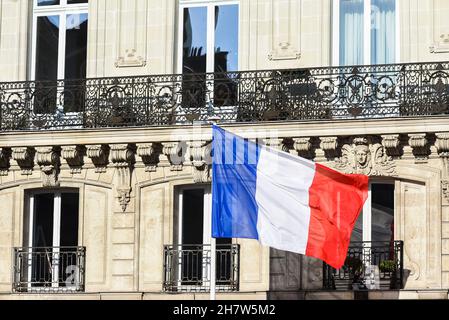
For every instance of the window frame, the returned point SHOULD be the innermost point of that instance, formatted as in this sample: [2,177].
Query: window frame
[56,232]
[367,213]
[207,211]
[210,35]
[335,25]
[61,10]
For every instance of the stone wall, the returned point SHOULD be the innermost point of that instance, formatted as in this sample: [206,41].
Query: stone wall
[127,185]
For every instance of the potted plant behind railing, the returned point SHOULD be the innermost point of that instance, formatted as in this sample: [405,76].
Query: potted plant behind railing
[389,267]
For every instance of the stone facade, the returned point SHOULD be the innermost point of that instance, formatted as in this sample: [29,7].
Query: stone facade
[127,177]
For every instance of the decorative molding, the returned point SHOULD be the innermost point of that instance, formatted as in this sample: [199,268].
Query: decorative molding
[5,155]
[276,143]
[329,146]
[420,147]
[130,59]
[74,156]
[122,157]
[99,154]
[48,159]
[445,191]
[392,145]
[149,152]
[200,158]
[284,51]
[365,157]
[285,36]
[24,156]
[303,146]
[173,152]
[442,45]
[132,33]
[442,144]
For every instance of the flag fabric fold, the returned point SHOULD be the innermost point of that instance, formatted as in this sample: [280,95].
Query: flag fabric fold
[284,201]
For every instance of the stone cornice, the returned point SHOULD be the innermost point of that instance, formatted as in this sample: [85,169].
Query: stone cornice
[247,130]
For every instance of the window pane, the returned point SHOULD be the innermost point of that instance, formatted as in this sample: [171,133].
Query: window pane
[226,54]
[69,219]
[47,2]
[76,46]
[192,234]
[46,72]
[194,57]
[357,232]
[382,210]
[194,40]
[226,38]
[76,1]
[192,216]
[47,40]
[351,32]
[43,220]
[75,61]
[383,31]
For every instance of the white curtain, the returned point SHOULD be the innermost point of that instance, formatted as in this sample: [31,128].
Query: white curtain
[383,31]
[351,32]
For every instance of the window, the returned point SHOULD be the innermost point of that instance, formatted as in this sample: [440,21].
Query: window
[59,51]
[194,233]
[376,221]
[50,260]
[208,42]
[365,32]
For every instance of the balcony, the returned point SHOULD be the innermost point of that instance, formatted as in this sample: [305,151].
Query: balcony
[312,94]
[187,268]
[368,266]
[49,270]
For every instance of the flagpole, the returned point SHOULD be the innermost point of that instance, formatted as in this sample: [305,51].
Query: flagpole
[213,245]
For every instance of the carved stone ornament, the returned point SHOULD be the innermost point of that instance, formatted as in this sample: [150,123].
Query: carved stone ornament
[99,154]
[284,51]
[392,145]
[420,146]
[442,45]
[122,156]
[303,146]
[48,160]
[442,144]
[201,160]
[329,146]
[366,158]
[130,59]
[74,156]
[174,154]
[149,152]
[5,155]
[445,190]
[24,156]
[276,143]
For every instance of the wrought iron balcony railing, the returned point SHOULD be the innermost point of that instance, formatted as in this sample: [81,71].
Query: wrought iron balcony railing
[377,91]
[187,268]
[368,266]
[49,269]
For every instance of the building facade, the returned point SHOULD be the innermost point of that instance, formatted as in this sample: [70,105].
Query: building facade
[105,112]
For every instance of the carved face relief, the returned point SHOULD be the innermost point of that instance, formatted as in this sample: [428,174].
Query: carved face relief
[362,154]
[364,157]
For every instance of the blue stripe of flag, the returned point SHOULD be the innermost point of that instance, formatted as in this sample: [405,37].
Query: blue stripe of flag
[234,164]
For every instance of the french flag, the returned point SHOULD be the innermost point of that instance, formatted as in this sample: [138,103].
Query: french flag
[285,201]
